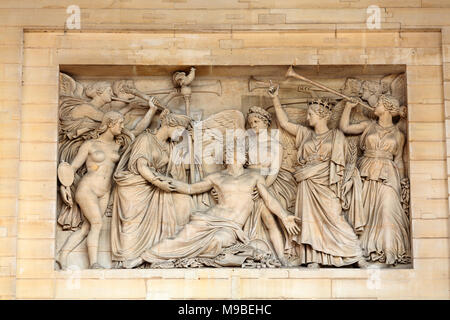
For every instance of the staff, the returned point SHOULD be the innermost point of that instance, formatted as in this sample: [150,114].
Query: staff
[293,74]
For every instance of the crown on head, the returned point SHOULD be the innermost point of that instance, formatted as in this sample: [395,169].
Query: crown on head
[321,102]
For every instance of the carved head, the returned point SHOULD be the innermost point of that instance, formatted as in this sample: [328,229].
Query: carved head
[101,90]
[318,110]
[120,89]
[258,118]
[387,103]
[176,123]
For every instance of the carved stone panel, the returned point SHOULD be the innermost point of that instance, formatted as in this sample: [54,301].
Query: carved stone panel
[253,167]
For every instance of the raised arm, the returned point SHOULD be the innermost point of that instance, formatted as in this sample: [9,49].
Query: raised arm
[275,207]
[344,123]
[282,117]
[145,121]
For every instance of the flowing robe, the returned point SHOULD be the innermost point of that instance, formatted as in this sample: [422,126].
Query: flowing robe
[326,236]
[205,236]
[386,236]
[142,214]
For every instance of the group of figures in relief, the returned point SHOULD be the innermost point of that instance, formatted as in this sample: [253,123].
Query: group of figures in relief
[335,192]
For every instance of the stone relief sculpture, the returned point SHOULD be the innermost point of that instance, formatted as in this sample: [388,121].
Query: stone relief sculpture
[314,181]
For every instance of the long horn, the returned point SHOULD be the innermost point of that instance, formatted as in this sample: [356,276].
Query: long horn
[146,97]
[292,74]
[254,84]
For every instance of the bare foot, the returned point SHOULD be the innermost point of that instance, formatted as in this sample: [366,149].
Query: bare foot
[314,265]
[96,266]
[363,264]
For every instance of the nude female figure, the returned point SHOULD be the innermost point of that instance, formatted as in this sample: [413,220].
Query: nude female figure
[100,156]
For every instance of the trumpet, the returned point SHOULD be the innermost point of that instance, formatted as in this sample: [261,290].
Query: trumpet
[254,84]
[292,74]
[144,96]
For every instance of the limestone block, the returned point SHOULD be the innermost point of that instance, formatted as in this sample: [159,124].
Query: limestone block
[34,40]
[313,15]
[38,170]
[34,288]
[207,40]
[39,132]
[8,247]
[285,39]
[8,187]
[7,266]
[37,57]
[427,150]
[435,4]
[424,74]
[425,93]
[410,56]
[367,39]
[9,91]
[9,149]
[425,112]
[425,187]
[40,94]
[37,210]
[40,75]
[35,248]
[11,37]
[420,40]
[431,248]
[7,287]
[75,288]
[284,289]
[342,56]
[35,268]
[430,228]
[40,229]
[354,288]
[37,190]
[426,131]
[10,54]
[272,18]
[231,44]
[9,168]
[37,151]
[40,113]
[432,268]
[8,207]
[8,227]
[417,16]
[11,72]
[266,56]
[145,56]
[188,289]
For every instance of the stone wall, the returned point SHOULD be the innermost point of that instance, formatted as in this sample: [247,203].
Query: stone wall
[33,45]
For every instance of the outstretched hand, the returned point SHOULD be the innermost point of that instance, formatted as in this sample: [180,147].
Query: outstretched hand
[273,90]
[290,222]
[164,183]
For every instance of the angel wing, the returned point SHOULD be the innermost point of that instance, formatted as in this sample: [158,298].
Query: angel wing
[213,130]
[69,87]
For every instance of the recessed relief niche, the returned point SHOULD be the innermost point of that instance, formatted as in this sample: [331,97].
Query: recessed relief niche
[233,166]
